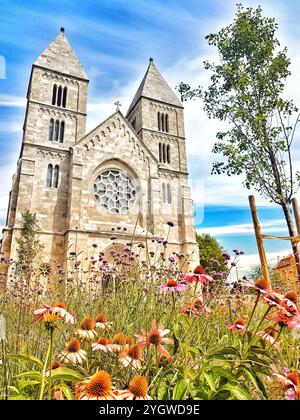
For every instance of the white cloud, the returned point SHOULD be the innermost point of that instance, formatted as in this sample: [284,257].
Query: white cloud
[12,101]
[246,262]
[276,225]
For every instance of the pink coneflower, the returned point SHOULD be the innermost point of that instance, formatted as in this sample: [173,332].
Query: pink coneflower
[290,383]
[57,309]
[269,335]
[102,322]
[196,278]
[58,394]
[131,357]
[102,344]
[86,329]
[55,365]
[173,286]
[73,353]
[96,387]
[155,337]
[238,326]
[290,301]
[195,308]
[260,285]
[294,323]
[137,390]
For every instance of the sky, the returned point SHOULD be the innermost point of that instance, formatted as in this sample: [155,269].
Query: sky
[114,40]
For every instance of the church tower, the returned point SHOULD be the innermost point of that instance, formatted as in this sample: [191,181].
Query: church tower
[157,115]
[127,175]
[55,119]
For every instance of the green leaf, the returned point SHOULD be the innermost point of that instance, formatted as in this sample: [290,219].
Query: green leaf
[67,374]
[19,397]
[25,384]
[209,377]
[26,358]
[256,381]
[236,390]
[66,391]
[32,374]
[180,390]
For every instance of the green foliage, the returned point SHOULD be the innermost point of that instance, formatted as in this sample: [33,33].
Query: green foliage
[211,253]
[29,246]
[246,93]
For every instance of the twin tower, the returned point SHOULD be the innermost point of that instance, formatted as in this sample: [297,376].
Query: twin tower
[129,174]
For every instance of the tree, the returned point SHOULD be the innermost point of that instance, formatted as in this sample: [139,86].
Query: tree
[29,246]
[246,93]
[211,252]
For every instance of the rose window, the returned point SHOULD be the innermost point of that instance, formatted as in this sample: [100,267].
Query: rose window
[114,191]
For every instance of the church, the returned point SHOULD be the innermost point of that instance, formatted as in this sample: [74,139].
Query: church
[128,175]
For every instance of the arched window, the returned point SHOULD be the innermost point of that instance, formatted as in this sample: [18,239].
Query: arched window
[62,132]
[169,193]
[51,128]
[164,193]
[160,152]
[167,123]
[56,133]
[56,176]
[164,153]
[158,121]
[162,122]
[59,95]
[64,101]
[168,154]
[54,91]
[49,176]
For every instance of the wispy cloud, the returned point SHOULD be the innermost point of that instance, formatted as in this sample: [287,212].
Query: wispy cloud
[274,226]
[12,101]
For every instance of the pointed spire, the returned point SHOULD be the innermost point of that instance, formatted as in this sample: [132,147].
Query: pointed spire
[155,87]
[59,56]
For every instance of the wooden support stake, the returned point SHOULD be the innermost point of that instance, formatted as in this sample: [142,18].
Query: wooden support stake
[259,241]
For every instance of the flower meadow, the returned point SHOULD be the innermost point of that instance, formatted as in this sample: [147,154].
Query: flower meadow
[121,328]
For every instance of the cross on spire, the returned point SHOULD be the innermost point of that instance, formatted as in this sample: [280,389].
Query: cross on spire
[118,105]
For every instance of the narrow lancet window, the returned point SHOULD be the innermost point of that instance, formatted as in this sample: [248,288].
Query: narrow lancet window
[64,101]
[62,132]
[51,128]
[49,176]
[56,176]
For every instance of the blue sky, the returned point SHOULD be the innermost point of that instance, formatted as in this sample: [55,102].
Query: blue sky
[114,40]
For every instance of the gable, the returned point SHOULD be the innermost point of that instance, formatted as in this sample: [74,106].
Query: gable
[116,125]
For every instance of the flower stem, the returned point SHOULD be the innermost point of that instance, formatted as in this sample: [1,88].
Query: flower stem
[253,311]
[50,362]
[44,373]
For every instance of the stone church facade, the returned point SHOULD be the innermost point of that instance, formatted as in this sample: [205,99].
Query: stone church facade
[128,172]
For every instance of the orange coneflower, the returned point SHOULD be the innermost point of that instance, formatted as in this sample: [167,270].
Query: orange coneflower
[155,337]
[132,357]
[73,353]
[102,322]
[129,341]
[86,329]
[96,387]
[137,390]
[118,342]
[102,344]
